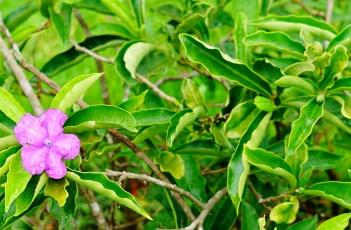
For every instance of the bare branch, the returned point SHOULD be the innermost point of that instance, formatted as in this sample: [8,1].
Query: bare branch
[144,177]
[91,53]
[158,91]
[19,74]
[142,155]
[95,209]
[198,222]
[329,11]
[181,77]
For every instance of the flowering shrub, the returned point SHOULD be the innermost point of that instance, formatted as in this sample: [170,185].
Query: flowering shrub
[202,114]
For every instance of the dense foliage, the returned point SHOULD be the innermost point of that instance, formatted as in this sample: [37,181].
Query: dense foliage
[212,114]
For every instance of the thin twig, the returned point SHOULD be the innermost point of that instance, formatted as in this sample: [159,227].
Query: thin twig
[274,198]
[130,224]
[308,10]
[142,155]
[329,11]
[198,222]
[91,53]
[215,171]
[95,209]
[99,64]
[144,177]
[19,74]
[158,91]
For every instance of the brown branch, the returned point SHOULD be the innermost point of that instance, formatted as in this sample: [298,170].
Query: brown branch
[329,11]
[91,53]
[215,171]
[274,198]
[99,63]
[95,209]
[142,155]
[144,177]
[198,222]
[158,91]
[130,224]
[19,74]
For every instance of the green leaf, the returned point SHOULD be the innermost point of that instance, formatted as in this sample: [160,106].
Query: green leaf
[292,23]
[241,51]
[73,90]
[264,104]
[66,213]
[9,106]
[285,213]
[122,12]
[19,15]
[302,84]
[156,116]
[6,157]
[298,68]
[335,191]
[221,65]
[135,102]
[339,222]
[99,183]
[306,224]
[34,186]
[98,117]
[249,217]
[62,21]
[270,162]
[8,141]
[111,29]
[301,128]
[70,57]
[240,118]
[57,190]
[17,180]
[237,167]
[343,38]
[180,120]
[322,160]
[338,63]
[128,58]
[172,163]
[6,124]
[201,147]
[275,40]
[340,85]
[192,180]
[345,102]
[138,9]
[191,94]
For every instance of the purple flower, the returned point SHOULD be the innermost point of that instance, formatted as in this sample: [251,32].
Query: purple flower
[45,146]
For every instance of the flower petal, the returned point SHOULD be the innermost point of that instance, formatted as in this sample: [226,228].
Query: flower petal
[33,159]
[55,167]
[53,120]
[29,131]
[67,145]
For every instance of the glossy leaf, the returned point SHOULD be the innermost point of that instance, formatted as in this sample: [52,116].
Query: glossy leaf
[73,90]
[155,116]
[180,120]
[301,128]
[237,167]
[301,84]
[8,141]
[285,213]
[341,84]
[70,57]
[306,224]
[221,65]
[172,163]
[62,21]
[98,117]
[342,38]
[275,40]
[111,29]
[322,160]
[335,191]
[34,186]
[57,190]
[264,104]
[339,222]
[17,180]
[129,57]
[191,94]
[9,106]
[293,23]
[99,183]
[249,218]
[298,68]
[6,157]
[270,162]
[241,51]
